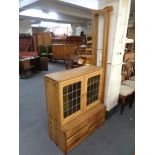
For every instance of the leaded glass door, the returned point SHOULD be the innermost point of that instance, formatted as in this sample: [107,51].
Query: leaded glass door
[72,98]
[93,84]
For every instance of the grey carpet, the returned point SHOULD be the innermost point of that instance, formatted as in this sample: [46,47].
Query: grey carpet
[115,137]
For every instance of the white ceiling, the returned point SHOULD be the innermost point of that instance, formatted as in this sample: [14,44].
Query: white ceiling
[67,12]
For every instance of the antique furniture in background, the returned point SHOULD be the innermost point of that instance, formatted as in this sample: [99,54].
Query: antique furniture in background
[89,41]
[126,95]
[46,51]
[81,56]
[44,63]
[27,54]
[127,89]
[58,40]
[129,53]
[61,51]
[77,40]
[26,43]
[74,105]
[41,38]
[29,66]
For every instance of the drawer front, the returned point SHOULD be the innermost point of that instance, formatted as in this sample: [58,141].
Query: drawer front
[26,64]
[95,118]
[76,137]
[95,126]
[76,129]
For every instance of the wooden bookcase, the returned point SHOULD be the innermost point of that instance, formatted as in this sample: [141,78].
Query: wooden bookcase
[74,104]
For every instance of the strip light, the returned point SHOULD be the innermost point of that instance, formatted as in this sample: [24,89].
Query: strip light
[39,14]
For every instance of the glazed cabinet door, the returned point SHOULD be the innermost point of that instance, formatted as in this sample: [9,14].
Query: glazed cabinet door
[93,89]
[71,99]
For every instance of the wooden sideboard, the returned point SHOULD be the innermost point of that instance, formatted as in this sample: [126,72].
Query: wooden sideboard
[62,51]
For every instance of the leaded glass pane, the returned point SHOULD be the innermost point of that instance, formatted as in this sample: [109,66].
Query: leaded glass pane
[71,98]
[93,89]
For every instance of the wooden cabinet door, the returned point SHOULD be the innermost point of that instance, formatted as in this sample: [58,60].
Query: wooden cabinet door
[93,89]
[68,49]
[58,51]
[71,99]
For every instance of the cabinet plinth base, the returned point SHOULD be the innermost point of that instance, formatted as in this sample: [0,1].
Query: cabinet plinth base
[71,134]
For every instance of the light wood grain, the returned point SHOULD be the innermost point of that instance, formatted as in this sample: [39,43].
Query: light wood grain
[106,12]
[70,131]
[62,51]
[71,134]
[73,73]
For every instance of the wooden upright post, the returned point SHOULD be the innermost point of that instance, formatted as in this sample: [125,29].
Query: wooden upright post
[106,12]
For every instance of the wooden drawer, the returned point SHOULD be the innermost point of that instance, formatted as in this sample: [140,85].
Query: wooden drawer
[78,141]
[95,118]
[76,137]
[25,64]
[75,129]
[95,126]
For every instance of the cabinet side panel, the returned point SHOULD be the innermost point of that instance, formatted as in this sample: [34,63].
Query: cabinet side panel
[61,140]
[53,131]
[52,99]
[57,135]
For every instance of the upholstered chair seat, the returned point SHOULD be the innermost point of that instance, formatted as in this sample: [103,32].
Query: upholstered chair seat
[129,83]
[126,90]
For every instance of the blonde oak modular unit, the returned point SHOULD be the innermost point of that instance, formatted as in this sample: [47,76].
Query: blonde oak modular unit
[74,104]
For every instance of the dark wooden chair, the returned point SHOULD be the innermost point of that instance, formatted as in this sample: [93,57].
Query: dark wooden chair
[128,69]
[127,89]
[71,61]
[126,95]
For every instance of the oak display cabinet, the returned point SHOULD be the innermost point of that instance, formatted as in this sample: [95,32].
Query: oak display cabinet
[74,104]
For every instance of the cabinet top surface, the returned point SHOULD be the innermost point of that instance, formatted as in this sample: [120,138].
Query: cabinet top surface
[72,73]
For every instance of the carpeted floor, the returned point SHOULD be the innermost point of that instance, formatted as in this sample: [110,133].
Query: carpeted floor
[116,137]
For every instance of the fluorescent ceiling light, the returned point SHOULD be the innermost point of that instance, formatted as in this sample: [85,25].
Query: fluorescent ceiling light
[49,24]
[39,14]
